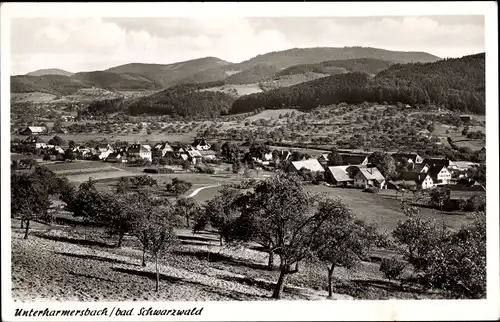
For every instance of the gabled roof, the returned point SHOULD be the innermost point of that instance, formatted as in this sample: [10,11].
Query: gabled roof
[138,148]
[434,170]
[339,173]
[409,156]
[199,142]
[418,167]
[194,153]
[323,157]
[36,128]
[441,162]
[371,173]
[353,159]
[416,177]
[311,164]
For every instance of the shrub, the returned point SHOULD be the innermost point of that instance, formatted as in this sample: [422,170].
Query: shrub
[205,169]
[392,268]
[178,187]
[372,190]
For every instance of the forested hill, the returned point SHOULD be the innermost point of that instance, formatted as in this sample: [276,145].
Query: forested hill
[457,84]
[184,100]
[340,66]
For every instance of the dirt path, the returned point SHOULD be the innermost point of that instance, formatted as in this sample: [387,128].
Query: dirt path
[195,192]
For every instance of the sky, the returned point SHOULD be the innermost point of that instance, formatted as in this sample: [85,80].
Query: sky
[85,44]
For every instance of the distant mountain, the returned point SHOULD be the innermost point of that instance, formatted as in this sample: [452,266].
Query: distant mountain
[332,67]
[50,71]
[52,84]
[254,74]
[113,81]
[266,67]
[171,74]
[456,84]
[297,56]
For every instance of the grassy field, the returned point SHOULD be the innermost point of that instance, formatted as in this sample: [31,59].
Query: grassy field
[272,114]
[384,210]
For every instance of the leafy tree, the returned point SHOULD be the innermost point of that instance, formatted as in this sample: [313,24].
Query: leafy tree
[29,199]
[384,162]
[187,208]
[56,140]
[143,180]
[220,212]
[392,268]
[342,241]
[69,155]
[178,187]
[281,207]
[334,158]
[439,196]
[57,127]
[154,227]
[71,144]
[123,185]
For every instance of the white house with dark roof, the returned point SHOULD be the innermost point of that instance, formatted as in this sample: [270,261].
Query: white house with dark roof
[33,130]
[440,174]
[139,151]
[369,177]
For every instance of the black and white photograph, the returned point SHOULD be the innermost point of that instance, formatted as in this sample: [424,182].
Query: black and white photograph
[242,158]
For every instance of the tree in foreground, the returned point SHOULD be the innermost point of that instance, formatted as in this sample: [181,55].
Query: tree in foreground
[278,215]
[220,212]
[187,208]
[154,227]
[342,240]
[29,199]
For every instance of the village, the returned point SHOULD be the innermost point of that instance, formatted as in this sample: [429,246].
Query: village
[370,171]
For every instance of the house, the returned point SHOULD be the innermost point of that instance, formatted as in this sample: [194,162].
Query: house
[281,155]
[138,150]
[194,156]
[265,159]
[312,164]
[466,118]
[323,159]
[104,150]
[440,174]
[114,157]
[162,149]
[208,155]
[369,177]
[354,159]
[33,130]
[201,144]
[419,167]
[34,141]
[409,157]
[481,155]
[338,175]
[442,162]
[421,180]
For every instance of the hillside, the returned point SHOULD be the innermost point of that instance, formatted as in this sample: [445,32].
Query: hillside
[49,71]
[297,56]
[185,100]
[332,67]
[456,84]
[171,74]
[51,84]
[254,74]
[113,81]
